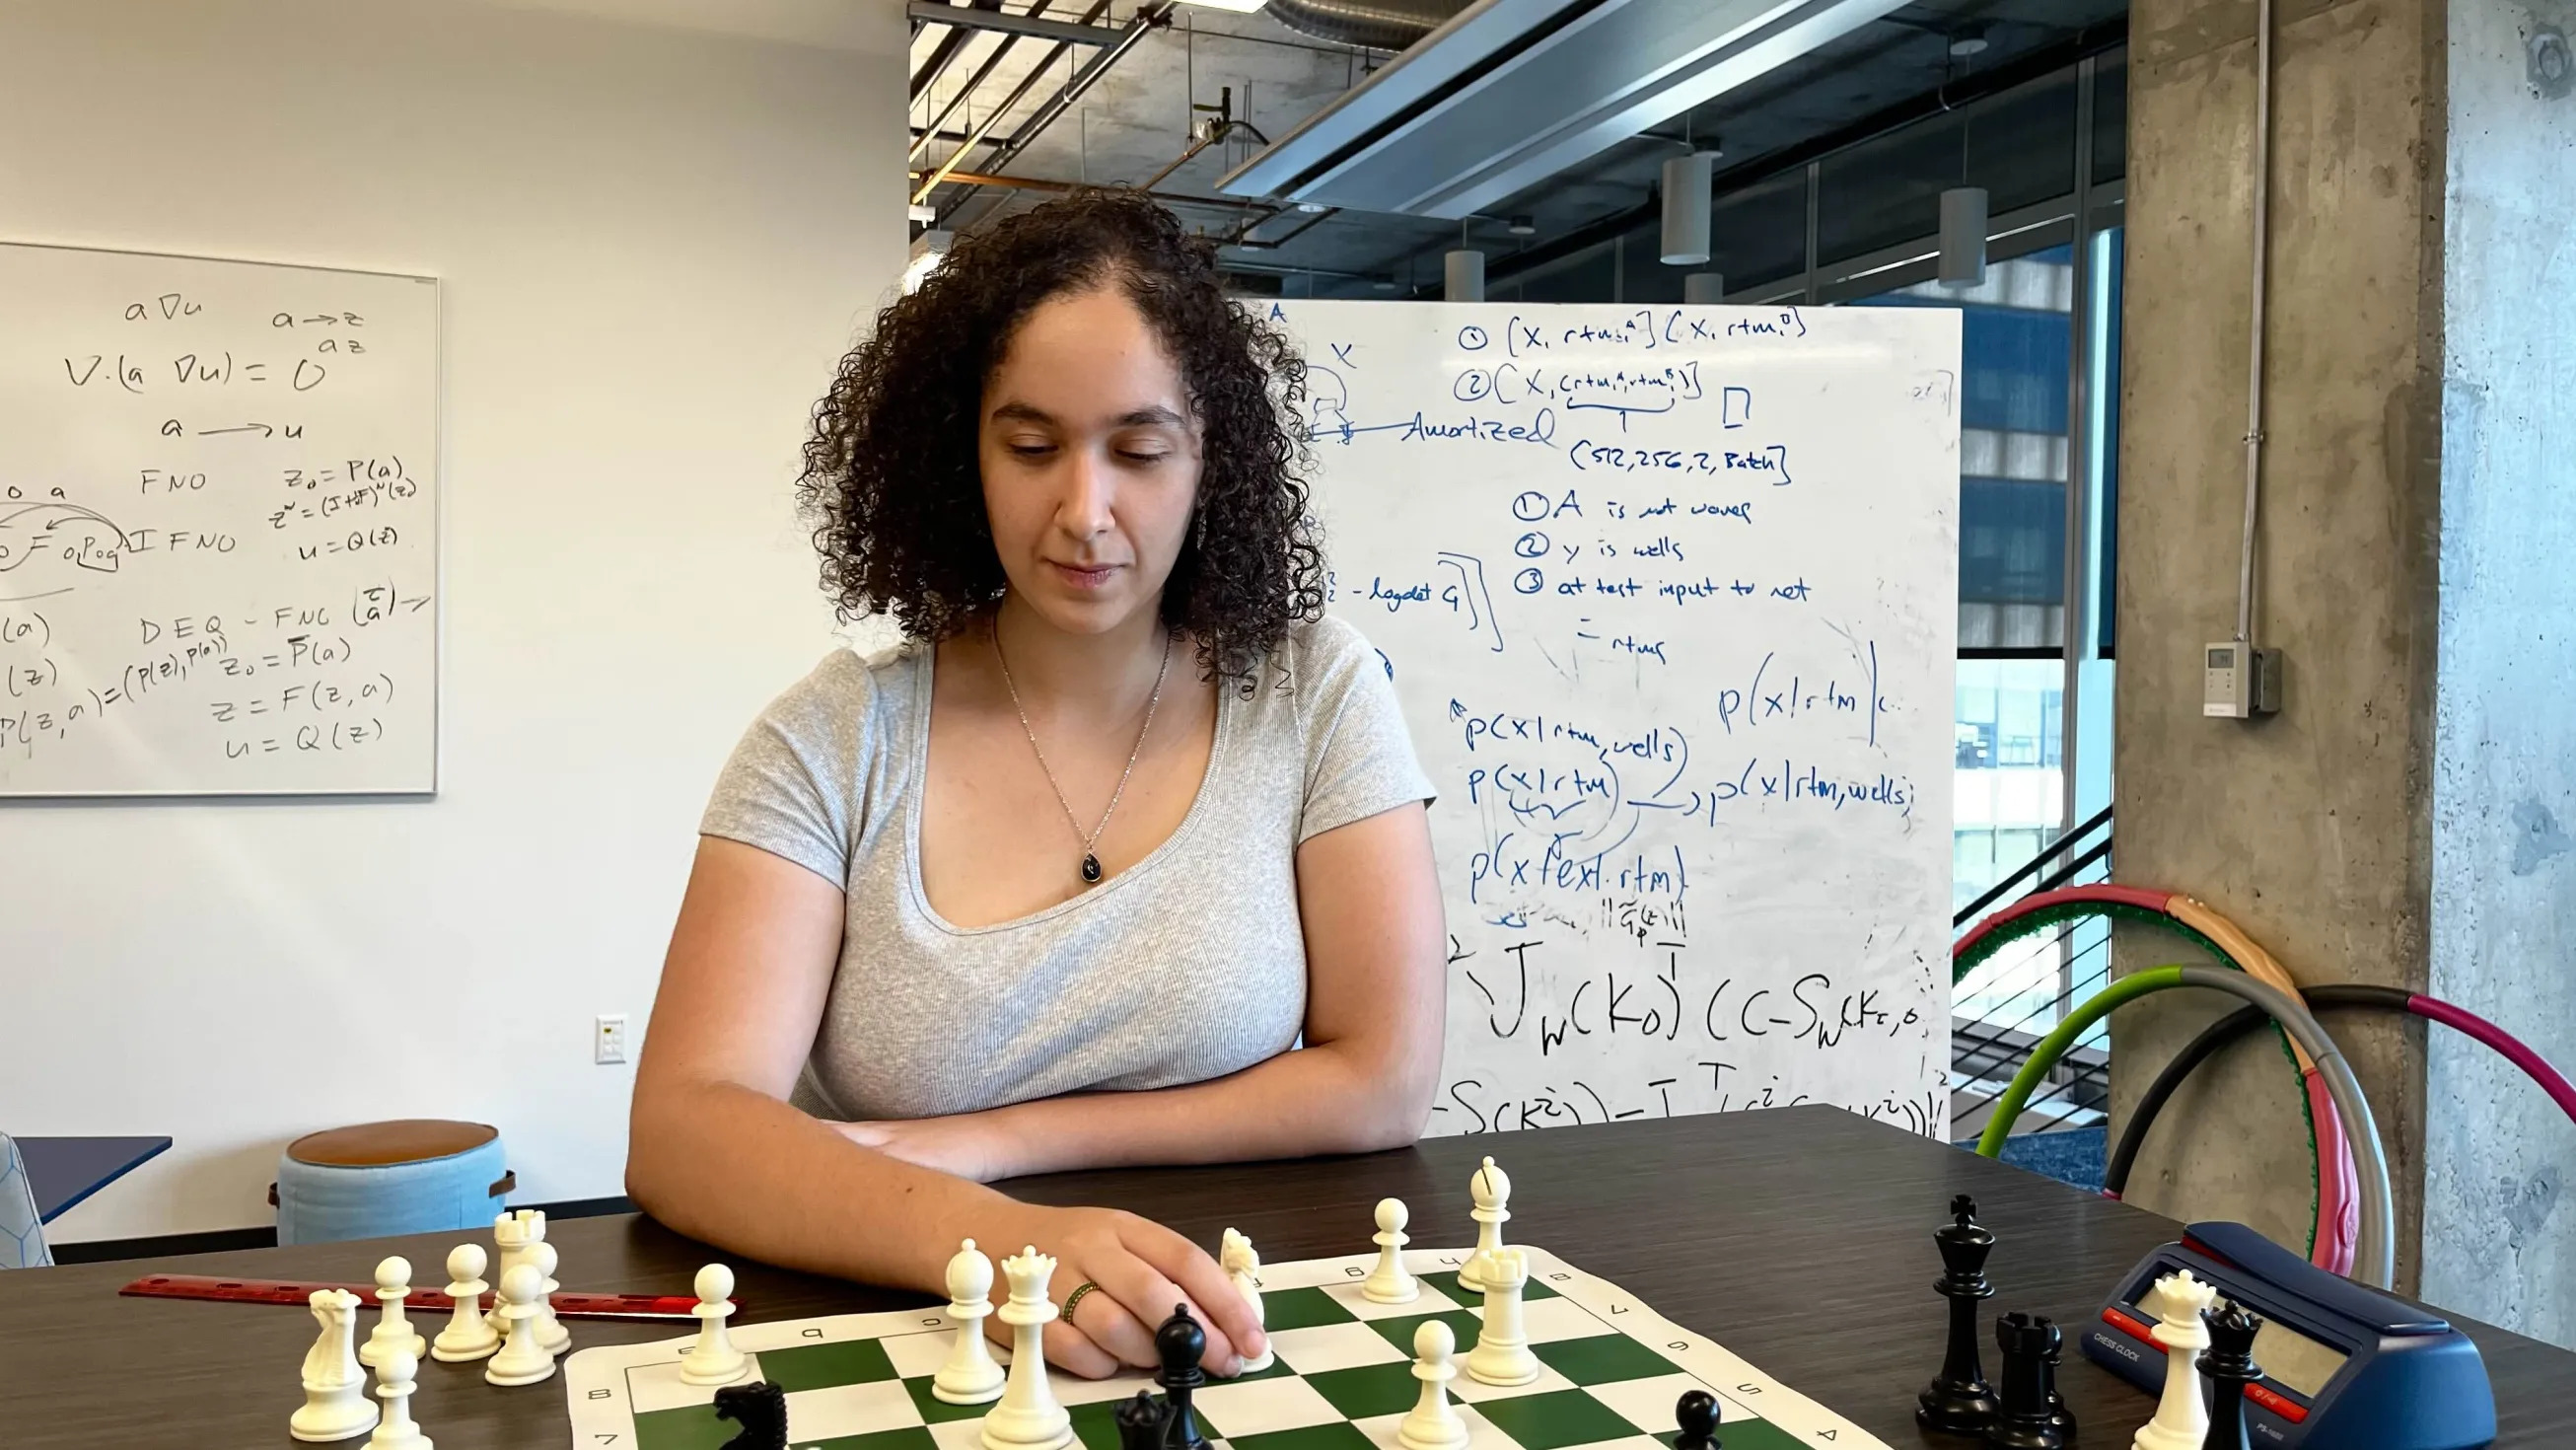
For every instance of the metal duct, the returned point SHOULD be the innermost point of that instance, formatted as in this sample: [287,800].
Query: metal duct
[1377,24]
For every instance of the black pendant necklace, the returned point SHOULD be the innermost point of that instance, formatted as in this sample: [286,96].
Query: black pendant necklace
[1090,857]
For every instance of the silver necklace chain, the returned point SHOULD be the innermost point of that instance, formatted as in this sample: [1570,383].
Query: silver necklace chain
[1091,872]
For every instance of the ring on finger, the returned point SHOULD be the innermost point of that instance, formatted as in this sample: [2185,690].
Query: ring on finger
[1075,1298]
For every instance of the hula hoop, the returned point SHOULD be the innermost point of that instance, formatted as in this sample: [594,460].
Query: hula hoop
[2376,1256]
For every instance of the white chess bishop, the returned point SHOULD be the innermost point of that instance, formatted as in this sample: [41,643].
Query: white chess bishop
[971,1376]
[1490,1190]
[1028,1418]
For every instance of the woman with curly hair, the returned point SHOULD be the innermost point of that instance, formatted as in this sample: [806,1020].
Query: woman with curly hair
[1120,858]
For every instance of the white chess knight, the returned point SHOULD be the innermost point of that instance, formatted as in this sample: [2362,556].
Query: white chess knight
[712,1358]
[514,1232]
[1491,1190]
[468,1336]
[971,1376]
[1390,1282]
[1432,1424]
[1242,1265]
[550,1330]
[523,1359]
[2182,1416]
[1028,1418]
[336,1406]
[1502,1354]
[393,1326]
[397,1375]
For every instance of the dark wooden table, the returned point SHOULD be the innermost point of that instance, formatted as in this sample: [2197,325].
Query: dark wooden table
[1800,1238]
[63,1171]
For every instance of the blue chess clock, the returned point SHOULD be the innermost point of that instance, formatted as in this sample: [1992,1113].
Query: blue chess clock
[2344,1367]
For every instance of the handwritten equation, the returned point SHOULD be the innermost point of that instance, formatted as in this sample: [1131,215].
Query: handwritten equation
[1668,595]
[218,521]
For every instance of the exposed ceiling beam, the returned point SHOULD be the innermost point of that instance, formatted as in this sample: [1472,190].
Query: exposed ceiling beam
[935,12]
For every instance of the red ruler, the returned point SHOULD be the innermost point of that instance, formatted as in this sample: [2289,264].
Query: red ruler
[567,1305]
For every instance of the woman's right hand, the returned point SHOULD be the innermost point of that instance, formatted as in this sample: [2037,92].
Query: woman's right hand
[1141,1270]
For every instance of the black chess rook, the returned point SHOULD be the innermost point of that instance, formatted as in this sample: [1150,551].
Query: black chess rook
[2026,1419]
[1959,1400]
[2228,1364]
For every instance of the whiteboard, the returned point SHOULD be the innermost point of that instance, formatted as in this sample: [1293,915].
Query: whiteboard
[218,527]
[1669,596]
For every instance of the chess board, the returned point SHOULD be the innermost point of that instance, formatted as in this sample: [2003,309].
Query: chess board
[1342,1379]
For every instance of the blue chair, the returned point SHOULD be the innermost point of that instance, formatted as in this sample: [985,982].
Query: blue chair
[415,1175]
[22,1233]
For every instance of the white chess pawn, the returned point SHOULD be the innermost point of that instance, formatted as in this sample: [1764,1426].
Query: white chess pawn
[523,1359]
[336,1406]
[971,1376]
[1028,1418]
[1432,1424]
[1502,1354]
[468,1336]
[713,1360]
[1490,1189]
[397,1375]
[2182,1417]
[550,1330]
[393,1326]
[1242,1265]
[1390,1282]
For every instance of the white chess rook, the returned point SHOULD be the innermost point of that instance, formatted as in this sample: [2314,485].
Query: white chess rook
[550,1330]
[336,1406]
[1028,1418]
[1242,1265]
[2182,1416]
[1490,1189]
[1432,1424]
[712,1359]
[514,1232]
[1502,1354]
[523,1359]
[468,1336]
[396,1377]
[1390,1282]
[971,1376]
[393,1326]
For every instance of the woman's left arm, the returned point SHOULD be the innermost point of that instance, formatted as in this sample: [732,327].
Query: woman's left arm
[1376,993]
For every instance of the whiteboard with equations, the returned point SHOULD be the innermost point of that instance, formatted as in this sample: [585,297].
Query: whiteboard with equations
[1669,596]
[218,527]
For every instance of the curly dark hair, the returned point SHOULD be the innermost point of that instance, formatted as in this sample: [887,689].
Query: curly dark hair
[893,488]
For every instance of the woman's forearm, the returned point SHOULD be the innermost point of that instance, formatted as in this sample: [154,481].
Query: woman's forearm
[752,1175]
[1321,1099]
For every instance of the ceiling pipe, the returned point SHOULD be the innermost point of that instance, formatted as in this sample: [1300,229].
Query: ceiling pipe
[1375,24]
[931,12]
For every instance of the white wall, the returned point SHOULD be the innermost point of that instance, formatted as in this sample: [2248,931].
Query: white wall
[654,241]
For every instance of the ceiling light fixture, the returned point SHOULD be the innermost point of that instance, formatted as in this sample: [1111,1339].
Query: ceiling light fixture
[1967,43]
[1686,202]
[1522,226]
[1312,208]
[1239,7]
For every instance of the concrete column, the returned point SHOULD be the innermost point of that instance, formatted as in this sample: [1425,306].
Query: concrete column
[2398,821]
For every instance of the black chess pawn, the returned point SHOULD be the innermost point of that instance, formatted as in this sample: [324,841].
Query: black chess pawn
[1696,1418]
[1140,1423]
[2024,1420]
[760,1408]
[1959,1400]
[2229,1365]
[1181,1343]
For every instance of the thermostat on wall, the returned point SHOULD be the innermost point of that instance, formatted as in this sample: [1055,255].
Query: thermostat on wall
[2240,681]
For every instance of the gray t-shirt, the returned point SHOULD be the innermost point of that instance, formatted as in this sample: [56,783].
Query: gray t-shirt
[1189,965]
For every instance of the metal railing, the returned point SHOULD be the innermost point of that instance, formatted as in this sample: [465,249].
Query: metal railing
[2016,995]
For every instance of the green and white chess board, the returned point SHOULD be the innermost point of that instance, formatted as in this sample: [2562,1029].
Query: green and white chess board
[1342,1379]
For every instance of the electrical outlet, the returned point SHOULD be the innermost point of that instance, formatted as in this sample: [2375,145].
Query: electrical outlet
[609,1042]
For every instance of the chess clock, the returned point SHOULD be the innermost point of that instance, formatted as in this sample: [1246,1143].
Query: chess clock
[2344,1367]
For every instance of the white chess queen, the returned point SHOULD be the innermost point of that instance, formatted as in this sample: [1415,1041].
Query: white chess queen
[1120,856]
